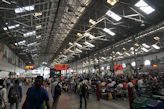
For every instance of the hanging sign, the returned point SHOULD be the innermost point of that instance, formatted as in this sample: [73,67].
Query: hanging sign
[61,66]
[29,67]
[118,67]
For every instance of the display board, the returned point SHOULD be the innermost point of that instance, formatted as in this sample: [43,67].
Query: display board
[61,66]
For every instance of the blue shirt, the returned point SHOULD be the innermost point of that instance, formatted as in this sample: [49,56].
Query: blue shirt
[36,97]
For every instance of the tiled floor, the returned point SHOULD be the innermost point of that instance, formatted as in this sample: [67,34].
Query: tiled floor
[71,101]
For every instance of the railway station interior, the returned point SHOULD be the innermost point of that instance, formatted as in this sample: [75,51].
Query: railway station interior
[81,54]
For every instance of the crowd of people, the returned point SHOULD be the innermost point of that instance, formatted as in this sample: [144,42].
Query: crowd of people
[37,96]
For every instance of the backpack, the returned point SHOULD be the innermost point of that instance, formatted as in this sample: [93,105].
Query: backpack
[2,102]
[14,95]
[57,90]
[84,90]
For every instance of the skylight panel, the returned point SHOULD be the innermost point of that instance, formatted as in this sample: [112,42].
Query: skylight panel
[155,46]
[11,27]
[145,45]
[113,15]
[24,9]
[142,5]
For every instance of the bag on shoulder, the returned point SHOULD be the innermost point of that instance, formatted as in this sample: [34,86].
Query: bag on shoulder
[84,89]
[2,102]
[57,90]
[14,95]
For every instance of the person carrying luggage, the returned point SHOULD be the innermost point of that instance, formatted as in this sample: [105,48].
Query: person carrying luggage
[83,91]
[15,95]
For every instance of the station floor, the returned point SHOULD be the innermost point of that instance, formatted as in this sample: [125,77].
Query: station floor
[71,101]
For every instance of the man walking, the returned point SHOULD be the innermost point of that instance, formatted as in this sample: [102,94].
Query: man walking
[15,95]
[36,95]
[56,92]
[83,90]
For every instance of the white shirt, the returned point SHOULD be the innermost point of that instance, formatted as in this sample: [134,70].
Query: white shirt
[140,83]
[3,93]
[53,85]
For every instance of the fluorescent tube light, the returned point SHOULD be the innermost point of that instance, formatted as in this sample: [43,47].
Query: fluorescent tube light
[144,49]
[31,44]
[127,53]
[142,5]
[113,15]
[112,2]
[89,35]
[109,31]
[118,53]
[29,34]
[21,42]
[78,50]
[145,45]
[70,51]
[92,21]
[11,27]
[155,46]
[24,9]
[79,45]
[103,58]
[89,44]
[5,1]
[124,48]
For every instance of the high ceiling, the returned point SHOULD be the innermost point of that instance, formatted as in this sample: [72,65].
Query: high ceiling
[61,31]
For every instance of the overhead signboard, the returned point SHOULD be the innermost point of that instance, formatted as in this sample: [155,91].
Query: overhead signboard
[118,67]
[61,66]
[29,67]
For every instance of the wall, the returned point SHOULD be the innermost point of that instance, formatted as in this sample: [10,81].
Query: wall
[10,62]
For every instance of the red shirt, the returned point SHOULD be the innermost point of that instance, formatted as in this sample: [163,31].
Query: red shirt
[44,83]
[125,84]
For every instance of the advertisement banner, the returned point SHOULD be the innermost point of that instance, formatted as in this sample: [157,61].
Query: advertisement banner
[61,66]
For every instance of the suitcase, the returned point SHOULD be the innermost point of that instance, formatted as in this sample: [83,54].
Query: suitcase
[139,103]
